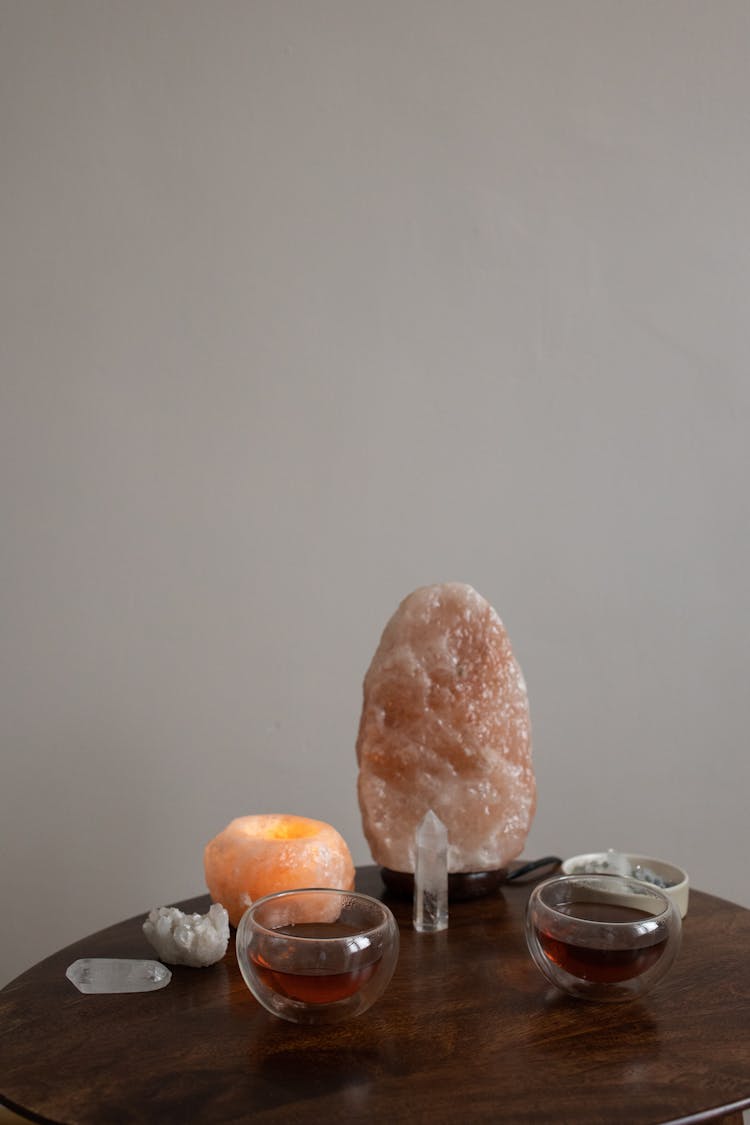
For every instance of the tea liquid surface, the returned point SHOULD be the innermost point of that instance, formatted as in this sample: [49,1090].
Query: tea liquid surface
[317,986]
[318,930]
[607,964]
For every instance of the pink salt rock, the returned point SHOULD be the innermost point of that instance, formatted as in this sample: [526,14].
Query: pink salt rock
[259,855]
[445,726]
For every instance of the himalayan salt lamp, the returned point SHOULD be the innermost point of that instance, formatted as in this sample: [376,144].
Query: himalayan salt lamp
[259,855]
[445,726]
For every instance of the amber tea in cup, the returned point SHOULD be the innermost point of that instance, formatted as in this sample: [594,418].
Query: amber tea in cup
[602,937]
[317,955]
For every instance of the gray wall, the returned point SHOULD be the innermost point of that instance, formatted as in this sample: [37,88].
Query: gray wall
[305,304]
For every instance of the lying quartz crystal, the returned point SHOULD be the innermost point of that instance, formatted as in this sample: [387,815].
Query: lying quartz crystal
[188,939]
[117,974]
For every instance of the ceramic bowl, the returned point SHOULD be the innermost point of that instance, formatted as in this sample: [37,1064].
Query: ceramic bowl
[677,883]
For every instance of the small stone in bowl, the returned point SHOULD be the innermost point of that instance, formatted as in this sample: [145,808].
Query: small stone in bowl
[617,863]
[669,878]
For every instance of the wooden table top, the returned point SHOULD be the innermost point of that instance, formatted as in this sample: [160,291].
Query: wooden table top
[467,1029]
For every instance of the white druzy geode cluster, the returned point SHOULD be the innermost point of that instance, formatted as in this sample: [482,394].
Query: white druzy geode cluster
[188,939]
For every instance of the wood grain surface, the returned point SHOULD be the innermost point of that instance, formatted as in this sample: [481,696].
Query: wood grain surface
[467,1030]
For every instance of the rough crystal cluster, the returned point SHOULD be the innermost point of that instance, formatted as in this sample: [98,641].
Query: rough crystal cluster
[445,726]
[188,939]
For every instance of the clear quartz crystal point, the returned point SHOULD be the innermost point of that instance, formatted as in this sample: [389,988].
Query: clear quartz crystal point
[617,862]
[431,875]
[107,974]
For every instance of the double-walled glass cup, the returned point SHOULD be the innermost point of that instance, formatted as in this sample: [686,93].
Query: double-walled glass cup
[317,955]
[602,937]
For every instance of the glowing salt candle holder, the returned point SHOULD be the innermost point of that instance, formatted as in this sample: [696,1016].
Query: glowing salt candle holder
[255,856]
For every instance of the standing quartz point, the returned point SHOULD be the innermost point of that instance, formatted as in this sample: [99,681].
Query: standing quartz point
[431,875]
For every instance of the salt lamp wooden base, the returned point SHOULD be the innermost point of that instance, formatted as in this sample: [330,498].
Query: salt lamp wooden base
[466,885]
[462,885]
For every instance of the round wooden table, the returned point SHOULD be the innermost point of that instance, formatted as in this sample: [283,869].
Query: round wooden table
[467,1030]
